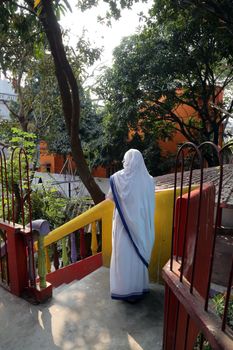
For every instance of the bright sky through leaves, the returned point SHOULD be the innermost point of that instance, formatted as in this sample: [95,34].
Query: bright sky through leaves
[100,34]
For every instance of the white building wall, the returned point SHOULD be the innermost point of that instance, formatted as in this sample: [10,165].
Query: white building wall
[67,185]
[6,94]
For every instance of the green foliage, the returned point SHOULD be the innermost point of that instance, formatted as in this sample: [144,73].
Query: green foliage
[219,304]
[205,344]
[114,142]
[22,32]
[114,7]
[39,108]
[91,130]
[48,205]
[17,139]
[217,13]
[23,139]
[6,132]
[17,173]
[177,59]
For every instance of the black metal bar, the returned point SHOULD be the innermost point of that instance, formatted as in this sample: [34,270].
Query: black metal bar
[173,219]
[32,275]
[198,229]
[180,207]
[219,155]
[12,185]
[194,148]
[28,195]
[185,145]
[2,185]
[6,183]
[185,226]
[21,188]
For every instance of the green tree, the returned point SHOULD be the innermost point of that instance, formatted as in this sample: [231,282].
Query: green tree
[19,37]
[219,13]
[91,130]
[69,92]
[16,169]
[43,16]
[172,62]
[115,141]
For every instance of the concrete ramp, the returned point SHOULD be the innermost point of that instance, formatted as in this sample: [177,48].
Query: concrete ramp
[81,316]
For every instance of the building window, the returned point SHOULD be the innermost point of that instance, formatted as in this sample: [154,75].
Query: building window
[48,168]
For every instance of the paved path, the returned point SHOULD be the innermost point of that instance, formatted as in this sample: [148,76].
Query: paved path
[222,259]
[81,316]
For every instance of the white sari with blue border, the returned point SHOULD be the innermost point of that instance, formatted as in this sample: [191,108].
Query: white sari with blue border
[132,190]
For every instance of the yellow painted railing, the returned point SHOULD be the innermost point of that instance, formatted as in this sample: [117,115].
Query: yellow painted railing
[104,212]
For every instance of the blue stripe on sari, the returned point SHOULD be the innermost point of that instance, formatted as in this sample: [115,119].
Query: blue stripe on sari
[136,295]
[114,192]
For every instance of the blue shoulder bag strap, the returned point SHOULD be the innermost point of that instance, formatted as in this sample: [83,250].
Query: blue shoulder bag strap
[114,192]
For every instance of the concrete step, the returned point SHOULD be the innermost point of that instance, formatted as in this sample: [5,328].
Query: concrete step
[82,316]
[63,286]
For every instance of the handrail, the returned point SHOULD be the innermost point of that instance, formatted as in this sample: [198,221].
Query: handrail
[104,211]
[98,212]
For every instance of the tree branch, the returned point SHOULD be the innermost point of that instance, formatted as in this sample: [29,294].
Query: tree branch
[10,109]
[30,10]
[222,110]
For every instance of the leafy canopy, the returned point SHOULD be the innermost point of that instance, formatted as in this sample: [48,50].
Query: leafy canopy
[176,60]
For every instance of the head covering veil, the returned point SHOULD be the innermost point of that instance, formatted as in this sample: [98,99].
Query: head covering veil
[135,193]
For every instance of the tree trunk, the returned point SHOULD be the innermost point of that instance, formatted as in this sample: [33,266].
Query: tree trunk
[23,121]
[216,133]
[70,96]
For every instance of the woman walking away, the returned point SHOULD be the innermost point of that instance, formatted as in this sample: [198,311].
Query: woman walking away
[132,190]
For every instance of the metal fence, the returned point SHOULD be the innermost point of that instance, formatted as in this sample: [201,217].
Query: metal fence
[190,319]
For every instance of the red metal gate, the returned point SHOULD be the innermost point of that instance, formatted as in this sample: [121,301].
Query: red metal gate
[187,276]
[16,244]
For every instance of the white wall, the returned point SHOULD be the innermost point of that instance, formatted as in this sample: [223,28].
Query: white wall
[61,183]
[7,94]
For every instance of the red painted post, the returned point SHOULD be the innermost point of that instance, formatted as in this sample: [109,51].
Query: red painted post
[180,334]
[17,261]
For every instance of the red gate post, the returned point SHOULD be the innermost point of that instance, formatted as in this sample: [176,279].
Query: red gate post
[181,330]
[17,259]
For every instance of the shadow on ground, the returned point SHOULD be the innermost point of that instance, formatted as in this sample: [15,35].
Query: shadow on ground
[81,316]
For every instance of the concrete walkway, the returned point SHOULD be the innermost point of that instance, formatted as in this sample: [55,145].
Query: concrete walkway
[81,316]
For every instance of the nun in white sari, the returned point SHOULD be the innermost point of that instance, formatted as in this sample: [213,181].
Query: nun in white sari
[132,190]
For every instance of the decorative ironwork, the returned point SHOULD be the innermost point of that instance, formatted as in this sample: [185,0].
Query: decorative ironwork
[16,203]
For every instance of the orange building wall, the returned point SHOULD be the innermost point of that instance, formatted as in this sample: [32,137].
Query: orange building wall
[54,163]
[185,112]
[99,172]
[51,162]
[170,146]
